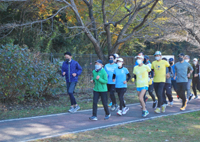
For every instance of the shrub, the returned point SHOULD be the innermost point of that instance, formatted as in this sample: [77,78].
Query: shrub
[24,74]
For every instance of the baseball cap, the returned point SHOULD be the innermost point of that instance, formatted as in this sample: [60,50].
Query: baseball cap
[195,59]
[157,53]
[164,59]
[99,61]
[120,59]
[171,59]
[140,55]
[116,55]
[68,53]
[146,56]
[181,54]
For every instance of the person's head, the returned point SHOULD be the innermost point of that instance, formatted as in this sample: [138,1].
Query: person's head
[112,59]
[120,62]
[181,57]
[164,59]
[187,58]
[68,56]
[171,61]
[98,64]
[195,61]
[146,58]
[158,55]
[116,56]
[140,58]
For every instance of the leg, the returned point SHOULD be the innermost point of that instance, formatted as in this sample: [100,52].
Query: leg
[150,90]
[179,90]
[164,95]
[104,98]
[95,101]
[71,91]
[112,94]
[121,98]
[159,90]
[169,91]
[193,87]
[188,88]
[141,95]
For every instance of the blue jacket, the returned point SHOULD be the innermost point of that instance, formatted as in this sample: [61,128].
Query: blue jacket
[74,68]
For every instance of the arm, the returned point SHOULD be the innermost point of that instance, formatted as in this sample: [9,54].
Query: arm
[128,77]
[62,70]
[104,78]
[79,68]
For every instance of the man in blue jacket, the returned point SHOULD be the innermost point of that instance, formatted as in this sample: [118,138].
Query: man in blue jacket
[71,70]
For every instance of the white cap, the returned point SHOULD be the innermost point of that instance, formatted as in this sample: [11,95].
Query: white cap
[195,59]
[116,55]
[140,55]
[120,59]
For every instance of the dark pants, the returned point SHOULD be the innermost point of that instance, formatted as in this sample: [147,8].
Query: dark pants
[167,91]
[195,85]
[104,97]
[159,91]
[150,90]
[174,85]
[121,92]
[111,89]
[70,90]
[181,88]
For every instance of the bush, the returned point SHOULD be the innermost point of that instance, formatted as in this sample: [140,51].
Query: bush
[24,74]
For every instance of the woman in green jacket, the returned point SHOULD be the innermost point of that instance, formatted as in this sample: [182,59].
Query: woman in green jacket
[100,81]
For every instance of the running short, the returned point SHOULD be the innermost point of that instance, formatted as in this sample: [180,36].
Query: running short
[142,88]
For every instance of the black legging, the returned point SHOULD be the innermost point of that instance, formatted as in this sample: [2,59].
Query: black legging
[159,91]
[150,90]
[121,92]
[195,83]
[181,88]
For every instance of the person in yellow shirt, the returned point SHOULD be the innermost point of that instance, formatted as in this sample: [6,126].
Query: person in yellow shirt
[141,75]
[159,68]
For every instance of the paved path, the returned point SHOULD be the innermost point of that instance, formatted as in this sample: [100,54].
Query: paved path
[33,128]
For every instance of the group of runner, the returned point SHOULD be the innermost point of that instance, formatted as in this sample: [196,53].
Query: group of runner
[160,76]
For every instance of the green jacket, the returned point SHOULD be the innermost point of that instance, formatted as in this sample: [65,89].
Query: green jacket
[101,84]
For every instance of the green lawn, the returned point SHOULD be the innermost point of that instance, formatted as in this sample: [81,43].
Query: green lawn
[178,128]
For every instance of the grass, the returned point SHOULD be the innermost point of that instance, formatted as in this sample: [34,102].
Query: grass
[177,128]
[56,106]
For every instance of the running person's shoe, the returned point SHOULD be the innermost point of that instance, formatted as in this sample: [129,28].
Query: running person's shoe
[119,112]
[107,117]
[163,108]
[183,108]
[71,110]
[190,97]
[116,107]
[76,108]
[125,110]
[171,103]
[110,104]
[196,97]
[112,108]
[145,113]
[157,110]
[155,104]
[94,118]
[177,96]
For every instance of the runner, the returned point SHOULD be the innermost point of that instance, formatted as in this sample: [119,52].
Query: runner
[189,94]
[150,88]
[100,81]
[159,68]
[173,80]
[195,81]
[141,75]
[109,68]
[71,70]
[181,69]
[167,88]
[119,76]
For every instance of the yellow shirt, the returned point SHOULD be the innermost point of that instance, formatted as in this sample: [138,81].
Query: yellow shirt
[142,76]
[159,68]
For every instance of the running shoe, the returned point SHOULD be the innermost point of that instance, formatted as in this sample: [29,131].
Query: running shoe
[125,110]
[116,107]
[112,108]
[119,112]
[163,108]
[145,113]
[155,104]
[177,96]
[94,118]
[71,110]
[157,110]
[76,108]
[107,117]
[190,97]
[183,108]
[171,103]
[110,104]
[196,97]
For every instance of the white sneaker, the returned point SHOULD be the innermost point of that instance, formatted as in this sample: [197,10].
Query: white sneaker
[171,103]
[125,110]
[119,112]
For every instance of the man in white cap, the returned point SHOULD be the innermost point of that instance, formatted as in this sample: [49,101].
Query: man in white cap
[116,57]
[159,68]
[195,80]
